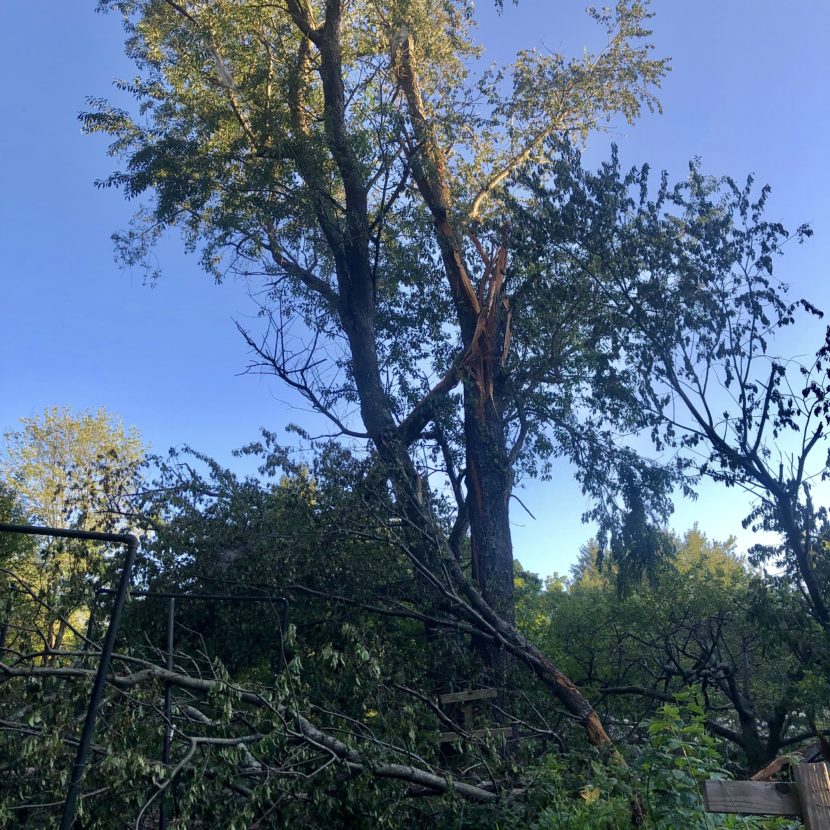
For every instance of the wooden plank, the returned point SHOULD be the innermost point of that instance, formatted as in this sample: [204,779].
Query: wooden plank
[507,731]
[493,730]
[813,781]
[462,697]
[756,798]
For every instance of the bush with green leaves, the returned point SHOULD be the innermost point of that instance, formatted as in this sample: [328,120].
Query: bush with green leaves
[659,788]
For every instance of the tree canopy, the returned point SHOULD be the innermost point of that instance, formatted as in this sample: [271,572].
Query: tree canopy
[347,158]
[463,302]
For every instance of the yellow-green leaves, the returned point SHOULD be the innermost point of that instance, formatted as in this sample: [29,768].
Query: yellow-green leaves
[68,469]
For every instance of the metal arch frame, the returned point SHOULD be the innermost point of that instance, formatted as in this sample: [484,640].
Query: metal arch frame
[131,541]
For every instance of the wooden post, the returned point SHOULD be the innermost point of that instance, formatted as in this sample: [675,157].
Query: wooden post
[813,782]
[467,701]
[808,798]
[468,716]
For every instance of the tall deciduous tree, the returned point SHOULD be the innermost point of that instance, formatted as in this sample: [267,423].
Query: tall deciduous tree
[16,553]
[342,151]
[692,308]
[691,625]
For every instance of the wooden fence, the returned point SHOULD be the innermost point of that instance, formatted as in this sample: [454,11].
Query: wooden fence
[808,797]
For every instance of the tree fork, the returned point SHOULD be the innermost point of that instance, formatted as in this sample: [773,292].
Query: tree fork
[484,325]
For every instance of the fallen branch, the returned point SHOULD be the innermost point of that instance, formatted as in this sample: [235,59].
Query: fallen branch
[304,731]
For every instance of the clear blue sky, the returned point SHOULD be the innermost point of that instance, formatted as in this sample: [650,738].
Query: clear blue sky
[748,93]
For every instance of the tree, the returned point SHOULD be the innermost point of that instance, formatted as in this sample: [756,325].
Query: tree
[348,705]
[693,625]
[353,704]
[72,470]
[69,471]
[16,554]
[693,308]
[339,150]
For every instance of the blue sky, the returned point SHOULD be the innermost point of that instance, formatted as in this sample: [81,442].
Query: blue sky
[747,93]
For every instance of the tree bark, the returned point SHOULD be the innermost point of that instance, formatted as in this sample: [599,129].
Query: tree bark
[489,482]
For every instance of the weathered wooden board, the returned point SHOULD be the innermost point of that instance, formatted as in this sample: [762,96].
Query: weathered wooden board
[463,697]
[757,798]
[813,782]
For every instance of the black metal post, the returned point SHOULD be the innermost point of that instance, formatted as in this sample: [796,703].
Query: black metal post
[4,624]
[70,805]
[168,709]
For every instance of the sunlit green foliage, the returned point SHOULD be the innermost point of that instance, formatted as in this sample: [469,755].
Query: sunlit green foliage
[397,211]
[693,624]
[67,471]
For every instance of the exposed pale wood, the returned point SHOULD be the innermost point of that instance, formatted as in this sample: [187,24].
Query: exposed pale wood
[461,697]
[806,753]
[813,781]
[772,768]
[507,731]
[758,798]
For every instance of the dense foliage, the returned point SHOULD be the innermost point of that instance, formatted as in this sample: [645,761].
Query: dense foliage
[463,302]
[69,471]
[336,720]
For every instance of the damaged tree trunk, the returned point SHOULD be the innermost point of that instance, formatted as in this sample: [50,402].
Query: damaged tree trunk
[484,323]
